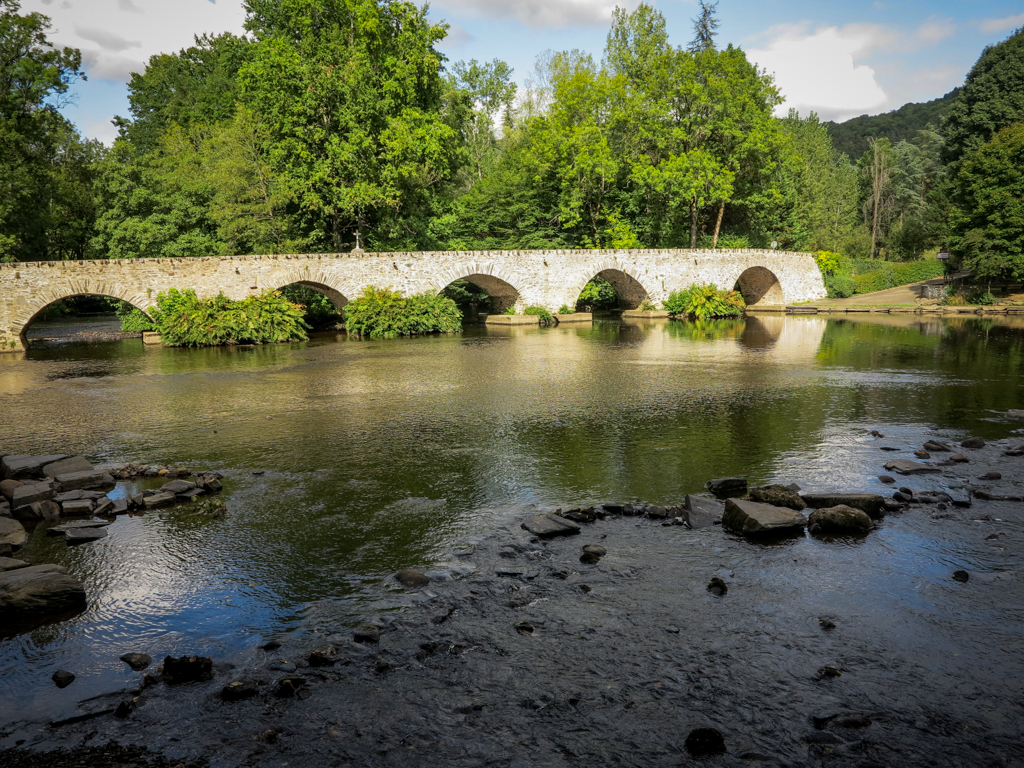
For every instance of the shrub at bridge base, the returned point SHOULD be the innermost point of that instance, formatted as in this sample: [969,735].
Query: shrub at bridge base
[184,320]
[705,301]
[383,313]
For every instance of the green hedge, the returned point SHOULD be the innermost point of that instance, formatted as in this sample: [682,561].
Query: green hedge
[891,275]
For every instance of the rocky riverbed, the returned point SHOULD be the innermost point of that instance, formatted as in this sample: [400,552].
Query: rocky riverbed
[637,635]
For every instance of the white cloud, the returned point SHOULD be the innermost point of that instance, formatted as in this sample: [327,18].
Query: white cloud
[818,70]
[991,26]
[107,30]
[458,36]
[934,31]
[538,13]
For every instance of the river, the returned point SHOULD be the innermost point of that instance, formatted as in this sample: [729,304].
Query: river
[379,455]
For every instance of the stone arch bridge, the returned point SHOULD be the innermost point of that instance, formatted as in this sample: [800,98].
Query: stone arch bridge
[521,278]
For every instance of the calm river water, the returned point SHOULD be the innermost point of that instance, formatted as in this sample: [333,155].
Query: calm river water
[379,455]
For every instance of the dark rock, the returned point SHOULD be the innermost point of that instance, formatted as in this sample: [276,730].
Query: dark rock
[26,467]
[524,628]
[778,496]
[852,721]
[1015,451]
[829,672]
[612,509]
[936,446]
[961,576]
[990,537]
[120,507]
[992,476]
[323,658]
[187,669]
[125,707]
[840,519]
[702,512]
[77,507]
[871,504]
[12,533]
[7,488]
[287,687]
[906,467]
[589,558]
[70,464]
[39,590]
[137,661]
[794,487]
[889,448]
[726,487]
[160,500]
[887,479]
[959,458]
[28,493]
[84,535]
[595,549]
[705,742]
[46,511]
[137,501]
[84,480]
[548,526]
[273,645]
[177,486]
[657,513]
[413,579]
[753,519]
[239,690]
[876,433]
[826,624]
[10,564]
[717,587]
[71,525]
[907,491]
[104,506]
[581,515]
[973,442]
[902,498]
[989,496]
[892,506]
[922,454]
[62,678]
[368,634]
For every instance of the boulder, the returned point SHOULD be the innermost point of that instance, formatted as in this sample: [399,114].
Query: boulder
[973,442]
[705,742]
[84,535]
[840,519]
[409,577]
[26,467]
[160,500]
[62,678]
[28,493]
[47,511]
[7,488]
[5,509]
[77,507]
[177,486]
[73,481]
[702,512]
[75,525]
[38,590]
[61,498]
[907,467]
[137,661]
[726,487]
[104,506]
[937,447]
[549,526]
[120,507]
[12,533]
[10,564]
[239,690]
[752,518]
[779,496]
[64,466]
[871,503]
[959,458]
[657,512]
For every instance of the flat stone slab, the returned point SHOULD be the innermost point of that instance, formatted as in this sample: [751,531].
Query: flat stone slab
[870,503]
[33,592]
[12,532]
[548,526]
[576,317]
[726,487]
[160,500]
[83,535]
[512,320]
[76,525]
[752,518]
[177,486]
[27,467]
[78,507]
[65,466]
[73,481]
[26,494]
[11,564]
[907,467]
[702,512]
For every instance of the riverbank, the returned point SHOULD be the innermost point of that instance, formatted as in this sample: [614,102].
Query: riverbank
[820,651]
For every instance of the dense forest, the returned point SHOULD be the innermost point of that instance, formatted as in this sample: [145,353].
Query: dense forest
[331,124]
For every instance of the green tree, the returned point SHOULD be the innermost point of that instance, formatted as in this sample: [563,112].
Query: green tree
[704,27]
[988,217]
[490,90]
[992,98]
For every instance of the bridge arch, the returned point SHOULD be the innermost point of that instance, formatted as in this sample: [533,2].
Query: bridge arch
[24,318]
[631,291]
[318,280]
[760,287]
[502,286]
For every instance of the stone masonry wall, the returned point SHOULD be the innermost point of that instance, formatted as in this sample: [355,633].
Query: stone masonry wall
[544,278]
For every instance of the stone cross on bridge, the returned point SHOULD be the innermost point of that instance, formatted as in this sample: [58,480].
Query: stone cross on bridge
[512,278]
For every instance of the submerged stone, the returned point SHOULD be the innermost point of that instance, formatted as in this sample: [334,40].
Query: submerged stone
[548,526]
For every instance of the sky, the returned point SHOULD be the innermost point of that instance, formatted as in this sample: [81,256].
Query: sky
[839,59]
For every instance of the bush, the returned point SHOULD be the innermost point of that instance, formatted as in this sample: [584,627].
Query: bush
[184,320]
[134,320]
[888,275]
[564,310]
[546,318]
[981,297]
[704,301]
[320,312]
[383,313]
[648,306]
[599,294]
[835,273]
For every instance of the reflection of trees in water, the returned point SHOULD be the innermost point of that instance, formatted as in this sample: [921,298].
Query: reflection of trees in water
[708,330]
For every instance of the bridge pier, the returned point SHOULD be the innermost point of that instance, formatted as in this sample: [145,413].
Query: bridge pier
[513,278]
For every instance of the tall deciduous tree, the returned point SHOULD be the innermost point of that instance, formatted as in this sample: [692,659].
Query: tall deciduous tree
[490,90]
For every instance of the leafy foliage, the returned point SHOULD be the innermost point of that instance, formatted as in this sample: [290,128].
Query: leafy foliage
[903,124]
[184,320]
[705,301]
[889,275]
[319,311]
[565,310]
[133,319]
[598,294]
[546,318]
[836,273]
[383,313]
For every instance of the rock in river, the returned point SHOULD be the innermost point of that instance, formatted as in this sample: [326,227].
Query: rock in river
[870,503]
[88,480]
[840,519]
[779,496]
[703,513]
[37,591]
[724,487]
[751,518]
[26,467]
[187,669]
[549,526]
[409,577]
[907,467]
[137,661]
[10,564]
[12,533]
